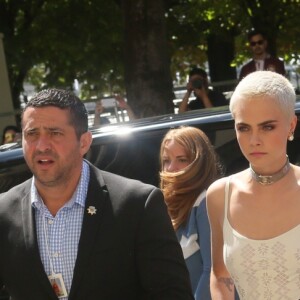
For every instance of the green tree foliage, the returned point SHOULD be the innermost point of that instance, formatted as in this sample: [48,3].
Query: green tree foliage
[193,23]
[61,40]
[53,42]
[209,27]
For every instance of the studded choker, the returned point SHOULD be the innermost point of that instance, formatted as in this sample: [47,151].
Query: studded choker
[269,179]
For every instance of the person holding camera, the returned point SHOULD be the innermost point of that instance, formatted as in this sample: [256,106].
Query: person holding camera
[205,97]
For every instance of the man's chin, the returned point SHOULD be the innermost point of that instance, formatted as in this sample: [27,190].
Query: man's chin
[46,181]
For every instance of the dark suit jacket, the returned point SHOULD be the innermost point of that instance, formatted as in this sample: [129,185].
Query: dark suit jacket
[272,64]
[127,250]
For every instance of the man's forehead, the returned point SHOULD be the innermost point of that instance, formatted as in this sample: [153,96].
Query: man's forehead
[46,115]
[197,76]
[257,37]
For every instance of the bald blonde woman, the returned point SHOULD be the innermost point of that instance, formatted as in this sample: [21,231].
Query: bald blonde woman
[254,214]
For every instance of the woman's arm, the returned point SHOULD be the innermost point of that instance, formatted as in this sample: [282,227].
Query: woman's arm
[221,284]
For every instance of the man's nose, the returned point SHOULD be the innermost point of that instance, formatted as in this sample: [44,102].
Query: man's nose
[43,143]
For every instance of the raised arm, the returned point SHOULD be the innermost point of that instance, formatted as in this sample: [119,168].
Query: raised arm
[221,284]
[124,105]
[202,94]
[98,111]
[184,104]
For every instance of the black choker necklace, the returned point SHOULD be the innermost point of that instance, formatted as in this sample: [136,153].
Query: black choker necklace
[269,179]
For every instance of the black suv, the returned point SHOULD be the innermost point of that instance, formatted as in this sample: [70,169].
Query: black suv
[132,149]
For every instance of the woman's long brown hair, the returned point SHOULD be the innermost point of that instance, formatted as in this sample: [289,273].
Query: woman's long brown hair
[182,188]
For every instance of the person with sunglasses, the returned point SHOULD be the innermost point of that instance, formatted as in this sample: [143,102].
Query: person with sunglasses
[261,60]
[11,134]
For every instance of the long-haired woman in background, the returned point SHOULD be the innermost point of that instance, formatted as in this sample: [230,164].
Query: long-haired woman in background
[189,165]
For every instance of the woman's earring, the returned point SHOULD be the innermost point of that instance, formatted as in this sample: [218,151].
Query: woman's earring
[291,137]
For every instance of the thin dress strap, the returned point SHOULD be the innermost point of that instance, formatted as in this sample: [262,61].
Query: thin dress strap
[227,186]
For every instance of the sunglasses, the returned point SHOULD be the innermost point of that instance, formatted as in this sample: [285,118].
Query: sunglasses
[260,42]
[9,137]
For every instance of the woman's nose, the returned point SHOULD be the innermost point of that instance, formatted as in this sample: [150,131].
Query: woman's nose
[255,139]
[172,167]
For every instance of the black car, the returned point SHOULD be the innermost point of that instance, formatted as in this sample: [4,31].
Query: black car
[132,149]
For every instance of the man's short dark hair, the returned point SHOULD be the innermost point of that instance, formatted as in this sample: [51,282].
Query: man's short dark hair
[198,71]
[63,99]
[254,32]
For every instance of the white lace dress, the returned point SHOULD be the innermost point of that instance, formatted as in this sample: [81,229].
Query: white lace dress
[262,269]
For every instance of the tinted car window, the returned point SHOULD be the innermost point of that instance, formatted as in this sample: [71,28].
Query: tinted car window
[132,149]
[136,154]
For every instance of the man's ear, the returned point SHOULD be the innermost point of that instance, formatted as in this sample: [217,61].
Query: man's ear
[85,142]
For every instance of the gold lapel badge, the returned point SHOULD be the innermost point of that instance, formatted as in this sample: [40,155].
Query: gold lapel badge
[92,210]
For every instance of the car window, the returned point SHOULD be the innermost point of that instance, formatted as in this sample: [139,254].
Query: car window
[136,154]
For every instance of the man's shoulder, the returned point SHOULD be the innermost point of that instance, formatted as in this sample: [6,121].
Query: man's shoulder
[124,191]
[274,59]
[16,192]
[118,182]
[111,177]
[217,98]
[248,63]
[212,92]
[22,187]
[247,68]
[275,64]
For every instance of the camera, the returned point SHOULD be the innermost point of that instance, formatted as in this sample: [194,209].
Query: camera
[197,84]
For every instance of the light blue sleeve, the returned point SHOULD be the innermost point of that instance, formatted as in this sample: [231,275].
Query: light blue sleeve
[203,228]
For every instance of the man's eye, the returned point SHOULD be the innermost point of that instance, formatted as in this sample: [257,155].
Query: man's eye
[242,128]
[31,133]
[56,133]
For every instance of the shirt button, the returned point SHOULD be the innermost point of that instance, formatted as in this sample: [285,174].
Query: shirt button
[50,222]
[56,254]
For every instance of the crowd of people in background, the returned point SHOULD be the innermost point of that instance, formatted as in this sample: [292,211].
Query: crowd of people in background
[199,94]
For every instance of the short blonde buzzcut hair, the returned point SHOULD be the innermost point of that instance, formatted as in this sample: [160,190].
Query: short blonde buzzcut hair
[266,83]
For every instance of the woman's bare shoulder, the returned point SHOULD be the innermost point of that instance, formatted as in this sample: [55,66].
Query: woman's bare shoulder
[296,169]
[218,186]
